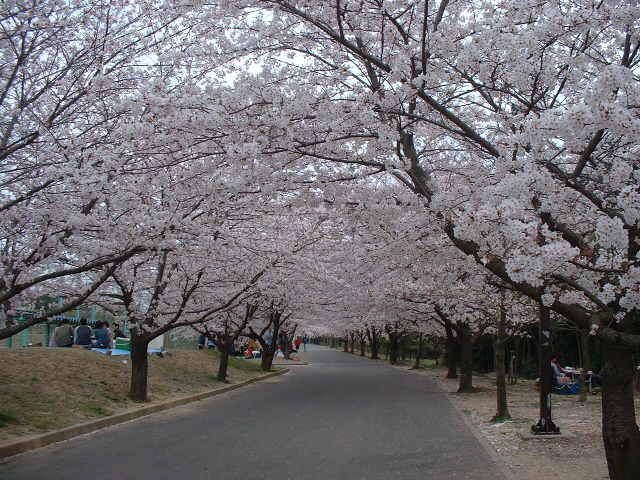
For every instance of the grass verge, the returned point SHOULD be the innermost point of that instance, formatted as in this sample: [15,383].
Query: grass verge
[44,389]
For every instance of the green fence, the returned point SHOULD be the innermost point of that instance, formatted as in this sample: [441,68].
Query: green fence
[40,334]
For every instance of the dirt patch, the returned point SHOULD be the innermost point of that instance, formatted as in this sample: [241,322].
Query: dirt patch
[577,457]
[43,389]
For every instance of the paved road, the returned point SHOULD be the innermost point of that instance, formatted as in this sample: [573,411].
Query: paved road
[343,417]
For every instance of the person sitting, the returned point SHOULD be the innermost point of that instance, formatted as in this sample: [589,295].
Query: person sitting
[63,334]
[110,333]
[102,336]
[117,333]
[557,372]
[82,334]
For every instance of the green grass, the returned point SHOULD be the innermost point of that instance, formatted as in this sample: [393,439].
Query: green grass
[246,365]
[7,417]
[44,424]
[238,363]
[97,410]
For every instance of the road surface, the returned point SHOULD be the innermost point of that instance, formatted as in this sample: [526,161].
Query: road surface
[342,417]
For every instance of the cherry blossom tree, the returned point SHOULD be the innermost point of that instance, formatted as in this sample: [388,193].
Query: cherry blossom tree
[65,69]
[514,123]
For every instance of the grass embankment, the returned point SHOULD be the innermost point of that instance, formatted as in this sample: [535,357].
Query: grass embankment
[43,389]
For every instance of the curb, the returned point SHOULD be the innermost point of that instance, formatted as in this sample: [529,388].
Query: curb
[504,469]
[33,443]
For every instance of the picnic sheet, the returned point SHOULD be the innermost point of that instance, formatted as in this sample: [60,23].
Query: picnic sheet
[118,351]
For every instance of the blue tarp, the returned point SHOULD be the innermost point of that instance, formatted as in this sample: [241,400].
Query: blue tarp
[117,351]
[567,388]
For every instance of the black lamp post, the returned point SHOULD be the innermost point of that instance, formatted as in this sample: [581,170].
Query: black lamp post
[545,425]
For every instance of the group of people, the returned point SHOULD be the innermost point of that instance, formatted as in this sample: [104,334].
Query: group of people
[300,341]
[250,348]
[100,336]
[560,376]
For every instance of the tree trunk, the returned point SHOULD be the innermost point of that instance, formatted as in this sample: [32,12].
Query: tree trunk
[266,360]
[585,363]
[545,425]
[346,345]
[286,345]
[139,369]
[363,344]
[619,428]
[374,345]
[224,362]
[393,348]
[465,384]
[502,409]
[513,361]
[416,364]
[451,353]
[352,344]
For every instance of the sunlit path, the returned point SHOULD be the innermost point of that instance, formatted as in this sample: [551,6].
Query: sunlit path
[343,417]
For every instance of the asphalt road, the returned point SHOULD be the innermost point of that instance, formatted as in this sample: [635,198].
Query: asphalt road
[343,417]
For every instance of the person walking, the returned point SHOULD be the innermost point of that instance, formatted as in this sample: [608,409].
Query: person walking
[63,334]
[305,340]
[82,334]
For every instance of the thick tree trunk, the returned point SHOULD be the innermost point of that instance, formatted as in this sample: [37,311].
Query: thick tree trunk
[352,344]
[224,363]
[416,364]
[545,425]
[286,345]
[374,343]
[266,361]
[139,369]
[363,344]
[502,409]
[619,428]
[451,353]
[585,363]
[393,348]
[465,384]
[346,345]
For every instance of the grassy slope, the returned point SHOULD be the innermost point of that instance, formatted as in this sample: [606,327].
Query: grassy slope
[43,389]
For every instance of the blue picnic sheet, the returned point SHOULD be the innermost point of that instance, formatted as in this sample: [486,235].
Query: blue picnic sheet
[117,351]
[567,388]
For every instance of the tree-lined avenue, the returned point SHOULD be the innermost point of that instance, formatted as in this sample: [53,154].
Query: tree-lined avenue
[340,417]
